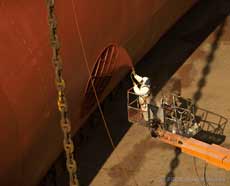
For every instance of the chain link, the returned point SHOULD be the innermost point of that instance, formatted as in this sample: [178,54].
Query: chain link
[62,102]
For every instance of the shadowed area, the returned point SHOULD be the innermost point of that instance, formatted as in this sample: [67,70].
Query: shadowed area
[210,57]
[206,136]
[173,165]
[93,147]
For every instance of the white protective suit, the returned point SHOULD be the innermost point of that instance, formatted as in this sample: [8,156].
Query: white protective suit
[145,98]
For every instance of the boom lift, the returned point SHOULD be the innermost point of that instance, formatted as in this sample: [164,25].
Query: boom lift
[183,126]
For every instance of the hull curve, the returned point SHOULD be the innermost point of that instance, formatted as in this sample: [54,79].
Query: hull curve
[30,132]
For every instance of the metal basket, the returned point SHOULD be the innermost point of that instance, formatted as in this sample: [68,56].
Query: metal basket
[135,113]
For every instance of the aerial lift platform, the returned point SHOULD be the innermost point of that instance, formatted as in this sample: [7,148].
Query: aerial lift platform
[194,130]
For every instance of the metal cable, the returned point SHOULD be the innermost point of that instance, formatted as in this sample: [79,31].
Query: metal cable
[196,170]
[204,174]
[205,177]
[94,89]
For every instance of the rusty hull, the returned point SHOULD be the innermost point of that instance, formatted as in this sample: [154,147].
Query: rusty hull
[30,136]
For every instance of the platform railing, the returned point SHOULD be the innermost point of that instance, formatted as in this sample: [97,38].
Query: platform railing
[211,122]
[183,115]
[135,113]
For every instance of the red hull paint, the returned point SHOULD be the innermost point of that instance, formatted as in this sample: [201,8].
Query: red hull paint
[30,136]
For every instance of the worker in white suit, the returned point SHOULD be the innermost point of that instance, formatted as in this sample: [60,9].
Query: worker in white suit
[142,88]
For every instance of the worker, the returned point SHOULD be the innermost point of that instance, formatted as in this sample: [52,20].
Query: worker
[141,87]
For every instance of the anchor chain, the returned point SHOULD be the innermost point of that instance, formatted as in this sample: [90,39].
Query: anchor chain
[62,101]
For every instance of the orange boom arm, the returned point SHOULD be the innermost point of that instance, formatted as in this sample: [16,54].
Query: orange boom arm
[212,154]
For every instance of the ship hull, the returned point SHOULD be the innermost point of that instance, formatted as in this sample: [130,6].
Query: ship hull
[31,137]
